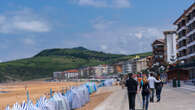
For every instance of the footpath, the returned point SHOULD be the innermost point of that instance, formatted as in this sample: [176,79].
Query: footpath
[172,99]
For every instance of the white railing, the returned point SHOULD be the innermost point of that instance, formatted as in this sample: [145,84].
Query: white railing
[190,33]
[191,55]
[182,38]
[191,44]
[190,22]
[182,58]
[182,48]
[182,28]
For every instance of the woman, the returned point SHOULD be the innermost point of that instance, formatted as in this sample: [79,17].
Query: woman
[145,92]
[158,86]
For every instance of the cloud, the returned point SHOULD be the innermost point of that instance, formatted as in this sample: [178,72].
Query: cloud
[101,24]
[104,47]
[139,35]
[121,3]
[22,21]
[112,37]
[29,41]
[104,3]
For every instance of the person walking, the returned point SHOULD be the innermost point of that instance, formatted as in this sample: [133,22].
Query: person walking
[131,85]
[152,80]
[145,91]
[123,81]
[158,87]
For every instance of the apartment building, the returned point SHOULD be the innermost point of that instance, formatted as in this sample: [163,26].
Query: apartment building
[69,74]
[100,70]
[158,51]
[149,61]
[186,39]
[139,65]
[170,48]
[118,68]
[110,69]
[127,67]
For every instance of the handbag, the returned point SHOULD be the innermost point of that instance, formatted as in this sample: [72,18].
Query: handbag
[146,90]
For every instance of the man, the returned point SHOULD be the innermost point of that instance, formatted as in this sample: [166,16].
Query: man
[131,85]
[158,87]
[152,80]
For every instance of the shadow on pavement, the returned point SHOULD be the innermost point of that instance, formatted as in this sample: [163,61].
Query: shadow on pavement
[138,109]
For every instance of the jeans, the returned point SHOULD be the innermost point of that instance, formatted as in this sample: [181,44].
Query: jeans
[145,99]
[131,100]
[152,95]
[158,93]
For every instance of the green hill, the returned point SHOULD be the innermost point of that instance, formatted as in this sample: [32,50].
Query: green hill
[50,60]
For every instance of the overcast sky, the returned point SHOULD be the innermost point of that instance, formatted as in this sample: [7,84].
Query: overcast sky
[115,26]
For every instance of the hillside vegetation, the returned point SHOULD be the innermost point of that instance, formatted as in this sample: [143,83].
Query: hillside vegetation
[50,60]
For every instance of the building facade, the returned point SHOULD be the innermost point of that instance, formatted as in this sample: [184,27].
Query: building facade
[186,40]
[149,61]
[158,51]
[110,69]
[100,70]
[118,68]
[139,65]
[170,48]
[65,75]
[127,67]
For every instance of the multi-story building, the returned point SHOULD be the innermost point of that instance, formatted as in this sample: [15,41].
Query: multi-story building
[149,61]
[158,51]
[110,69]
[58,76]
[170,48]
[127,67]
[186,39]
[118,68]
[139,65]
[69,74]
[100,70]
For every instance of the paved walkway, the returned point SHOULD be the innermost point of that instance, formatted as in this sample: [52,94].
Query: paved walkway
[172,99]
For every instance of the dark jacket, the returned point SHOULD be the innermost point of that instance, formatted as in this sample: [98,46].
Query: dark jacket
[131,85]
[159,85]
[145,89]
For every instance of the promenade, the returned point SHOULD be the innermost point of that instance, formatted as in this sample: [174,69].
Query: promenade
[172,99]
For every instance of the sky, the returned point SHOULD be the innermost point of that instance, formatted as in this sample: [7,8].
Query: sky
[113,26]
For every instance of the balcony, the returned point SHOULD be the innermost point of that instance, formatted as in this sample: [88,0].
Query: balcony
[190,21]
[181,29]
[182,57]
[190,33]
[182,38]
[182,48]
[187,65]
[191,44]
[190,55]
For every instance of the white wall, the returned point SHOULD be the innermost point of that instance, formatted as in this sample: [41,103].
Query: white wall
[171,47]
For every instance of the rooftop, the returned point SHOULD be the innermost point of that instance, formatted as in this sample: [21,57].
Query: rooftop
[183,15]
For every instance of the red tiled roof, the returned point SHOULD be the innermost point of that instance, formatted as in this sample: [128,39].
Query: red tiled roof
[72,71]
[161,40]
[158,40]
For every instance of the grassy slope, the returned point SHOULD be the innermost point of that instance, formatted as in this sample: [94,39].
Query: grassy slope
[47,61]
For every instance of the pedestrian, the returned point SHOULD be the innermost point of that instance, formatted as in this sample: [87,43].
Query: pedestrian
[158,87]
[152,80]
[123,81]
[131,85]
[145,91]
